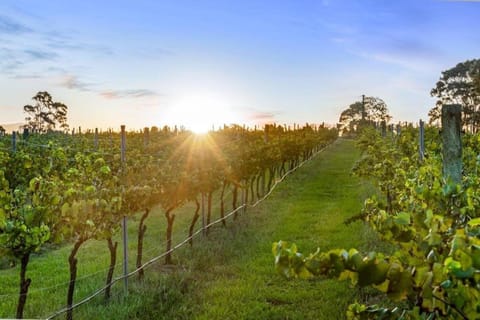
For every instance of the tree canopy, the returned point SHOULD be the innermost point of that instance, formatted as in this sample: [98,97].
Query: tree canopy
[359,113]
[45,114]
[460,85]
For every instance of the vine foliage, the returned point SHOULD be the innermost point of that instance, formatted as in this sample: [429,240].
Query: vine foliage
[432,224]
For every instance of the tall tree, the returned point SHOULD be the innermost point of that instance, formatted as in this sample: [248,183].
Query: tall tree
[45,114]
[369,110]
[460,84]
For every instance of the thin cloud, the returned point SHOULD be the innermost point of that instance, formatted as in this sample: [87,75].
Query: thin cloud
[10,26]
[407,53]
[385,47]
[133,93]
[20,57]
[72,82]
[261,116]
[27,76]
[40,54]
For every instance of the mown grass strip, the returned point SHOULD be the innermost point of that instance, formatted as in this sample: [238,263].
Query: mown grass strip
[309,209]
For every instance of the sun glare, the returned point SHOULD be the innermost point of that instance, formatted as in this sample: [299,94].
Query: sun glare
[201,113]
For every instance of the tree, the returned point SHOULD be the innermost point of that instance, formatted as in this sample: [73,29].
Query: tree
[359,113]
[2,131]
[461,85]
[46,114]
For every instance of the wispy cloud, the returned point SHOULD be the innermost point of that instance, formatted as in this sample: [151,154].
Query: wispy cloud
[10,26]
[132,93]
[40,54]
[402,51]
[72,82]
[262,117]
[24,45]
[27,76]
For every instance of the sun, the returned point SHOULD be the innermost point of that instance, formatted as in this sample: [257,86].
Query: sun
[203,112]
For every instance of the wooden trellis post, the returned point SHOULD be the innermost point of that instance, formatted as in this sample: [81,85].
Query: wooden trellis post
[421,141]
[124,220]
[452,143]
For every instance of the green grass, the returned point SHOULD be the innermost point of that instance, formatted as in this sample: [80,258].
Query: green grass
[229,274]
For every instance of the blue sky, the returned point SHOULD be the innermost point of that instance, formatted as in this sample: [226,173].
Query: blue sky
[144,63]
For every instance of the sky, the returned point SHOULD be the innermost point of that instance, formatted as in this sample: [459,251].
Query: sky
[201,63]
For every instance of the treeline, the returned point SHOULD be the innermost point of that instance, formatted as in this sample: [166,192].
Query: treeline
[457,85]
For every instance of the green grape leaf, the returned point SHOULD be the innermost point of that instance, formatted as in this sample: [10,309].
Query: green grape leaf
[402,218]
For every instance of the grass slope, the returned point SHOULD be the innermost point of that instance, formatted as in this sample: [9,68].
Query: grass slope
[229,274]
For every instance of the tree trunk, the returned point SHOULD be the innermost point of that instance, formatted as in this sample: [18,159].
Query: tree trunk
[142,228]
[24,284]
[170,219]
[72,261]
[112,247]
[194,221]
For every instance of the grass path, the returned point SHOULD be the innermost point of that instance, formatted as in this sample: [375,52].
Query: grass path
[309,209]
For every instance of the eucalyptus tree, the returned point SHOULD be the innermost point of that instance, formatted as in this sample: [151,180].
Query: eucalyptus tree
[45,114]
[369,110]
[459,85]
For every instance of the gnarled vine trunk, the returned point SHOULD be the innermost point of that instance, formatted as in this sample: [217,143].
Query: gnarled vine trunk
[209,208]
[72,261]
[142,228]
[194,221]
[222,203]
[112,247]
[24,284]
[170,219]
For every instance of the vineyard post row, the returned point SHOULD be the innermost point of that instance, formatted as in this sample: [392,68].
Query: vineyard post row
[451,138]
[451,141]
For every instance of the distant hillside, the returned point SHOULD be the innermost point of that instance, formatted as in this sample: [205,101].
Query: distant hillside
[12,126]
